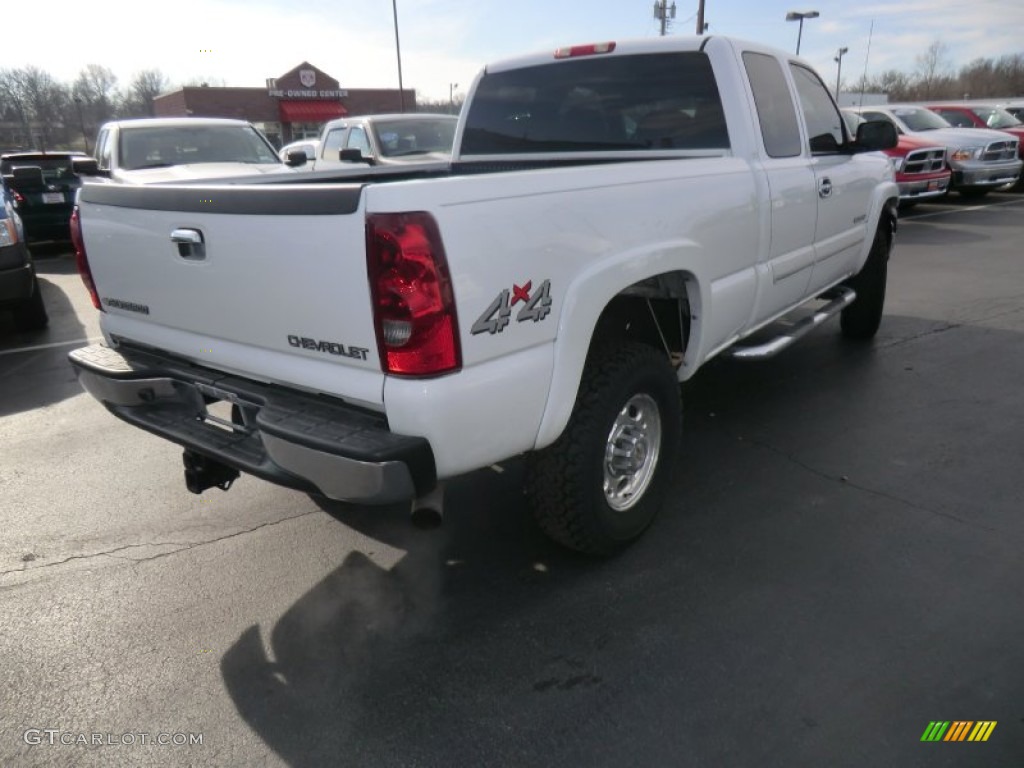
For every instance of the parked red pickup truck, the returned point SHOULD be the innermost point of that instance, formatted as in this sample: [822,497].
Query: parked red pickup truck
[920,165]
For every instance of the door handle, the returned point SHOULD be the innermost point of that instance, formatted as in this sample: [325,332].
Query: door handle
[190,244]
[825,187]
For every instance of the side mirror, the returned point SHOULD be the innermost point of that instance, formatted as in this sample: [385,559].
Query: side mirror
[296,157]
[875,135]
[28,177]
[352,155]
[85,166]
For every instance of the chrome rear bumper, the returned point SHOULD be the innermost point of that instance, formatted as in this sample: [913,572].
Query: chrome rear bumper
[312,443]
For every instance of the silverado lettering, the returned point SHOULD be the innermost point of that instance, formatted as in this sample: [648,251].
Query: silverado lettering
[129,306]
[332,347]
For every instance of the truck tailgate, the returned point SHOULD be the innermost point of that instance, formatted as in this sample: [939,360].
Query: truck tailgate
[266,281]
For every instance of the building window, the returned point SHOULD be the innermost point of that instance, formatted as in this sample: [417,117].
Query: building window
[272,131]
[305,131]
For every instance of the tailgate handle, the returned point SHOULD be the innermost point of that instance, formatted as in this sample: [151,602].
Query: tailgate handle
[190,244]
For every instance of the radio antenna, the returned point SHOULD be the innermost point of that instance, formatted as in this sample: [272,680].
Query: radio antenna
[864,77]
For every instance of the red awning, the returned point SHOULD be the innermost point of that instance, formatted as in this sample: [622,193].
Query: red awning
[311,111]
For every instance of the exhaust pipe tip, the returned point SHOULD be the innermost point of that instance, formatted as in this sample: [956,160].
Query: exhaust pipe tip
[426,518]
[428,510]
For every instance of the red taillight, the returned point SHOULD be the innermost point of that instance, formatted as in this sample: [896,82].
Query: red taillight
[82,260]
[584,50]
[18,198]
[413,302]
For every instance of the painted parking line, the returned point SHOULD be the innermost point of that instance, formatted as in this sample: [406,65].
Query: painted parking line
[51,345]
[958,209]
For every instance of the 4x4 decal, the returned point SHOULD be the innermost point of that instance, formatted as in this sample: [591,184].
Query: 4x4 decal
[496,316]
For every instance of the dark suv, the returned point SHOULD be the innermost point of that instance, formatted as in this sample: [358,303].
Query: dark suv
[43,186]
[19,288]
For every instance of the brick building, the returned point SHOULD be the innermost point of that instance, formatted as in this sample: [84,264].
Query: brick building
[291,107]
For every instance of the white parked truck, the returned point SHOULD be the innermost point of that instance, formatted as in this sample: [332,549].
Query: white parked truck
[152,150]
[613,216]
[389,139]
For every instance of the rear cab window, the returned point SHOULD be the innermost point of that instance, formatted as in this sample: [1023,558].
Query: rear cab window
[636,102]
[55,167]
[780,130]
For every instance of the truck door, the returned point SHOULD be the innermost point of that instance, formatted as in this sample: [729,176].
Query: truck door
[789,218]
[844,188]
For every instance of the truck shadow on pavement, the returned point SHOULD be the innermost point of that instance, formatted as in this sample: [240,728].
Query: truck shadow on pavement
[782,611]
[336,652]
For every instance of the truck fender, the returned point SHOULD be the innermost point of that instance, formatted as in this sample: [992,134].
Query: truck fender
[585,300]
[884,202]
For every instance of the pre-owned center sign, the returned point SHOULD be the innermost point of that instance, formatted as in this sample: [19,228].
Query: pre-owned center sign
[307,94]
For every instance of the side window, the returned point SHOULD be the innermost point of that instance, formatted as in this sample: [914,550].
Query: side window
[877,116]
[824,123]
[333,143]
[956,119]
[775,113]
[357,140]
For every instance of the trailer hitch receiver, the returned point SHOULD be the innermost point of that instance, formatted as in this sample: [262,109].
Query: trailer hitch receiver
[202,472]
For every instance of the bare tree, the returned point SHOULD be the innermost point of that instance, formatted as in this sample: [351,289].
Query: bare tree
[932,68]
[14,109]
[37,103]
[145,86]
[977,80]
[1009,73]
[205,82]
[95,95]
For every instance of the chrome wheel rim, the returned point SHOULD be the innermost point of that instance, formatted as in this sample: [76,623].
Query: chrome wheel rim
[631,453]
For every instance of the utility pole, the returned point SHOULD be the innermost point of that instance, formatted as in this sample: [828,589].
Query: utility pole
[663,12]
[701,26]
[398,51]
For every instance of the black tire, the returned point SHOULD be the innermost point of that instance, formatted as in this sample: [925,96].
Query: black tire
[31,315]
[565,481]
[861,319]
[974,193]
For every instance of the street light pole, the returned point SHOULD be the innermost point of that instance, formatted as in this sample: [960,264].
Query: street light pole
[451,96]
[398,52]
[839,69]
[800,16]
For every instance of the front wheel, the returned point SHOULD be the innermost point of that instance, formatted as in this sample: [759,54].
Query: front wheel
[600,485]
[861,319]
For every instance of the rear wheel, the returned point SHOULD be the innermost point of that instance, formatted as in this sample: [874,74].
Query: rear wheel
[600,485]
[31,315]
[861,319]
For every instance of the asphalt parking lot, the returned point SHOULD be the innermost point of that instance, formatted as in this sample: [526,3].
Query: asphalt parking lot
[839,566]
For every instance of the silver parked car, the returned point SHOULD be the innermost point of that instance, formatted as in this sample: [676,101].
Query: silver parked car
[981,159]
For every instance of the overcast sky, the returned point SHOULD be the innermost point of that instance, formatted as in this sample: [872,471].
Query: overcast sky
[243,42]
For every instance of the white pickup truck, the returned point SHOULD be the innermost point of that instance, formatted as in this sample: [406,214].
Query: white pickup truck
[614,215]
[156,149]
